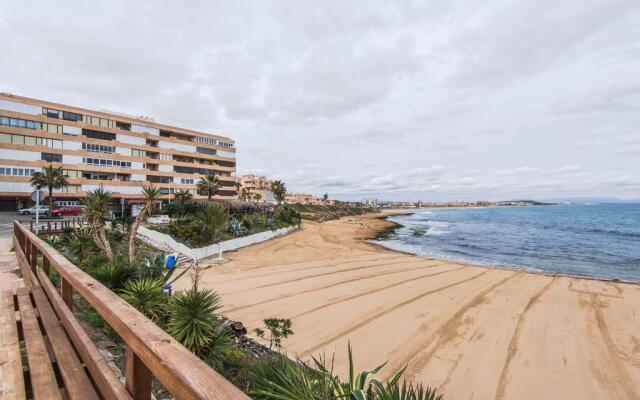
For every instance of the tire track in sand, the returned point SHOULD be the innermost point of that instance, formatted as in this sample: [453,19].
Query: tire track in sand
[445,333]
[334,284]
[513,343]
[355,296]
[386,311]
[623,380]
[333,262]
[340,271]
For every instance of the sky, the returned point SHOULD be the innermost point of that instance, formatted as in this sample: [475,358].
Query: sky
[398,100]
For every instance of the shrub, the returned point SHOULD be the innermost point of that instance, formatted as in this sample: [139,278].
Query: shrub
[220,347]
[115,273]
[278,329]
[146,296]
[192,319]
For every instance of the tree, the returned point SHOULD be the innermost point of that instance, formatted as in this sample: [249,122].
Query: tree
[279,190]
[98,210]
[257,197]
[150,196]
[51,178]
[278,329]
[209,184]
[325,197]
[238,185]
[244,194]
[182,196]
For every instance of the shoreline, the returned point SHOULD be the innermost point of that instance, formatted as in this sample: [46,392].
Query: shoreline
[397,225]
[469,331]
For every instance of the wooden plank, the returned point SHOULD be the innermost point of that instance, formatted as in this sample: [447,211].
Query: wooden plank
[138,377]
[183,374]
[43,379]
[11,377]
[105,379]
[76,382]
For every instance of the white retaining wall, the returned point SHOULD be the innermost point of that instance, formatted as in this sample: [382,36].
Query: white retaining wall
[165,241]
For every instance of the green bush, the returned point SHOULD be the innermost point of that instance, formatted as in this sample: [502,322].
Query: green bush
[192,318]
[146,296]
[115,274]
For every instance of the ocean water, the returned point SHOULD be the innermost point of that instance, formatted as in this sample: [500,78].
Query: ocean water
[600,241]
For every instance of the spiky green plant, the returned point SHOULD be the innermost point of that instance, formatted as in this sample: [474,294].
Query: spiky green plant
[192,318]
[222,343]
[213,217]
[114,274]
[51,178]
[182,196]
[146,296]
[98,210]
[283,379]
[279,190]
[209,184]
[150,196]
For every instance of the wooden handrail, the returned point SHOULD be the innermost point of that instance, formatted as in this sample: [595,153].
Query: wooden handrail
[151,350]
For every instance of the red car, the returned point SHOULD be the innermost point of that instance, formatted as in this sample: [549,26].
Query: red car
[67,210]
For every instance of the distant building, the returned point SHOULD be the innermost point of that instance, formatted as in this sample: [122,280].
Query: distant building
[258,184]
[304,198]
[372,202]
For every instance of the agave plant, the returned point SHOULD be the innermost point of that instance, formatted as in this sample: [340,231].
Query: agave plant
[114,274]
[222,343]
[146,296]
[192,318]
[285,380]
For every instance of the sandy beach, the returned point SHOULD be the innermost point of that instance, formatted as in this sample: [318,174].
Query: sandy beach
[472,332]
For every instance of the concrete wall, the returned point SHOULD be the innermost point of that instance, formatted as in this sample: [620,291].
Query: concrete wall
[167,243]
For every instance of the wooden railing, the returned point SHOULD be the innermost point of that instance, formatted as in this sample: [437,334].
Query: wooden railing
[47,227]
[150,350]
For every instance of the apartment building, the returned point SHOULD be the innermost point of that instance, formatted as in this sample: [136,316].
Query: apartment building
[305,198]
[121,153]
[258,184]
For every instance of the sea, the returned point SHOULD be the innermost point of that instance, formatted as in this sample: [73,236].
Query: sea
[588,240]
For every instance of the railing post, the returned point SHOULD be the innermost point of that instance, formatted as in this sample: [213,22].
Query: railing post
[67,293]
[45,265]
[34,257]
[49,226]
[31,226]
[138,377]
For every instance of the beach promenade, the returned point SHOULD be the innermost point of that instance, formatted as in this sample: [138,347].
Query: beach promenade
[472,332]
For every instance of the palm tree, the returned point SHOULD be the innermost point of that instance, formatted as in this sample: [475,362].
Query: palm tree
[182,196]
[279,190]
[244,194]
[51,178]
[192,318]
[209,184]
[98,210]
[150,196]
[214,217]
[257,197]
[238,185]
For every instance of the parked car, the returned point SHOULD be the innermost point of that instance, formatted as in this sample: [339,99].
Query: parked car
[67,210]
[32,210]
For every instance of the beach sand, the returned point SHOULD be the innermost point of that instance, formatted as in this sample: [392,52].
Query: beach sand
[471,332]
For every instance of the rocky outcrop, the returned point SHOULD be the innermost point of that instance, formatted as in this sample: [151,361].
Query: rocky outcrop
[246,343]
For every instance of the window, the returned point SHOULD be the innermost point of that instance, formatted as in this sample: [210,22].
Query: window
[51,113]
[101,162]
[53,143]
[17,171]
[98,135]
[97,121]
[51,157]
[138,153]
[71,173]
[5,138]
[71,189]
[69,116]
[98,148]
[20,123]
[205,150]
[166,156]
[186,181]
[52,128]
[17,139]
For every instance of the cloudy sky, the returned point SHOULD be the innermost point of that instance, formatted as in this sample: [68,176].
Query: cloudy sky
[431,100]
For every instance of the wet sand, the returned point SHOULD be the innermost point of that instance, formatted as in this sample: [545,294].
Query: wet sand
[472,332]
